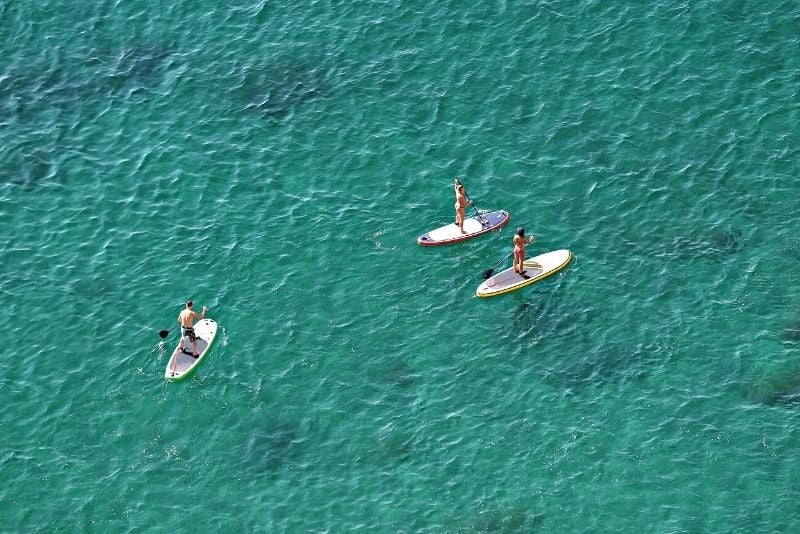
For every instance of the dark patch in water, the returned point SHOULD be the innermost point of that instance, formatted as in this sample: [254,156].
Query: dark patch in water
[40,96]
[93,287]
[26,94]
[717,244]
[277,88]
[792,249]
[789,399]
[396,445]
[600,364]
[607,364]
[550,318]
[27,169]
[507,519]
[734,13]
[272,446]
[791,333]
[138,66]
[776,389]
[39,89]
[395,372]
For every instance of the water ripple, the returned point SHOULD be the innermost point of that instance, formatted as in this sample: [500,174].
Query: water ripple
[276,162]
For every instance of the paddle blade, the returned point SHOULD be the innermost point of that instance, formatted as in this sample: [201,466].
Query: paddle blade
[163,333]
[488,274]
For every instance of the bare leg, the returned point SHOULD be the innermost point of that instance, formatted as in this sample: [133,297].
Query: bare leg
[522,266]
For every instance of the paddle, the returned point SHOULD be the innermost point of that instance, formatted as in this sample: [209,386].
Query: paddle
[488,272]
[165,333]
[477,212]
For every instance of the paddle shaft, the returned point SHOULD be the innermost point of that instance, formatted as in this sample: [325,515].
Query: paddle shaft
[488,272]
[478,213]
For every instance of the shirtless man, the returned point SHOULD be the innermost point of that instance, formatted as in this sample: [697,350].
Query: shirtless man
[186,320]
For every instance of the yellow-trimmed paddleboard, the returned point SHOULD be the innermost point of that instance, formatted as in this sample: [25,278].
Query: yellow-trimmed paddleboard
[537,268]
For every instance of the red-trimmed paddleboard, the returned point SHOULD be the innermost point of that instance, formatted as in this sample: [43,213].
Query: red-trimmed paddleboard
[182,363]
[473,226]
[537,268]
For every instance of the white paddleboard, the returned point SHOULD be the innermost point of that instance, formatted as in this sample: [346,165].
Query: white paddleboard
[473,227]
[182,363]
[536,268]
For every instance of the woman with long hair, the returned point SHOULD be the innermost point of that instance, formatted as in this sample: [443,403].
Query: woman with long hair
[519,251]
[461,204]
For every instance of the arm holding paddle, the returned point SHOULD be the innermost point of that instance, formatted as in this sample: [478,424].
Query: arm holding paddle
[461,204]
[186,320]
[194,314]
[520,241]
[518,253]
[469,202]
[456,186]
[164,333]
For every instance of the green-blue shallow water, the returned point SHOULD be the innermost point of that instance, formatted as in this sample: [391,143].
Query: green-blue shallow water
[276,161]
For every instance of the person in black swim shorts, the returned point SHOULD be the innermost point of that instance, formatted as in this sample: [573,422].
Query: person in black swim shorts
[186,320]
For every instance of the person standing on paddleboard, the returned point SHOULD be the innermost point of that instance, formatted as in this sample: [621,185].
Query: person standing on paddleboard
[461,204]
[186,319]
[519,251]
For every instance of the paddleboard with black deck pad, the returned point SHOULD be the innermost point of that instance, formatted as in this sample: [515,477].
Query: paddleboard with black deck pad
[536,268]
[182,362]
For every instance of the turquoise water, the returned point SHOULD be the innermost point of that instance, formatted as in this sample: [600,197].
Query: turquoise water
[277,160]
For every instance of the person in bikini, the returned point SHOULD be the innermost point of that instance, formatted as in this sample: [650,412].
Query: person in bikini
[461,204]
[186,320]
[519,251]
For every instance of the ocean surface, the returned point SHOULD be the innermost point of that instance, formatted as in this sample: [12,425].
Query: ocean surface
[276,161]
